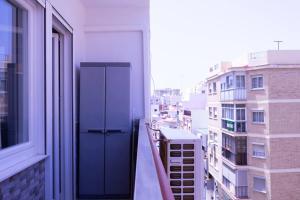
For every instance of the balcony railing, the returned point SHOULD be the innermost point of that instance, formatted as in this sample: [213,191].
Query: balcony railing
[233,94]
[240,192]
[151,180]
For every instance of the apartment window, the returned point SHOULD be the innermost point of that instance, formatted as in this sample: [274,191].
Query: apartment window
[229,82]
[214,87]
[240,81]
[216,162]
[257,82]
[210,112]
[22,90]
[228,142]
[228,111]
[259,184]
[258,150]
[215,112]
[258,116]
[211,136]
[226,182]
[215,137]
[209,88]
[211,159]
[240,114]
[13,75]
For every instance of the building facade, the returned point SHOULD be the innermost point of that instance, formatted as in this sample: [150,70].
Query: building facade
[254,127]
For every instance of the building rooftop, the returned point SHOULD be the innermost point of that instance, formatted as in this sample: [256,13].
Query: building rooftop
[257,59]
[177,134]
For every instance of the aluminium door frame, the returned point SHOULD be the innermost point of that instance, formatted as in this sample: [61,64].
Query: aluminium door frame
[54,18]
[66,106]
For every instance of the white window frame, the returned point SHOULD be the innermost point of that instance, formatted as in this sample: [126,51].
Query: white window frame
[262,178]
[214,88]
[240,84]
[210,112]
[258,111]
[215,112]
[258,156]
[257,79]
[209,88]
[18,157]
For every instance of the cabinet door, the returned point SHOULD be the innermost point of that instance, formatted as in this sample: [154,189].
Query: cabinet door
[117,163]
[118,98]
[91,164]
[92,98]
[118,131]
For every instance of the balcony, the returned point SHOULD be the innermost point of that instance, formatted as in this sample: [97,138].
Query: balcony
[234,149]
[235,182]
[236,158]
[234,94]
[151,181]
[234,126]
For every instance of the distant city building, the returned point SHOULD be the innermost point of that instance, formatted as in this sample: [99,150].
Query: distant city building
[254,127]
[166,106]
[194,114]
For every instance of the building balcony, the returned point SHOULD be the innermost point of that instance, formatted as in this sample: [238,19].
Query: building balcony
[234,149]
[236,158]
[234,94]
[234,126]
[235,182]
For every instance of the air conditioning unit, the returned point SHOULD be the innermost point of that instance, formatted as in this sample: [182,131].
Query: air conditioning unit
[181,155]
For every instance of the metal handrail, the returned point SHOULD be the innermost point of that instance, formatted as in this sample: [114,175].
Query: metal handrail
[162,176]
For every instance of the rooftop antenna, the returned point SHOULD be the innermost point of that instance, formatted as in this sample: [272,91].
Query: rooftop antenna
[278,43]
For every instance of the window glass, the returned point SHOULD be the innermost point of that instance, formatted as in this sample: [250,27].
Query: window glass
[215,112]
[13,75]
[240,81]
[258,116]
[257,82]
[259,184]
[214,87]
[258,150]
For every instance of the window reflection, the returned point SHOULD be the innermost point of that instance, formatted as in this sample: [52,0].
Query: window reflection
[13,75]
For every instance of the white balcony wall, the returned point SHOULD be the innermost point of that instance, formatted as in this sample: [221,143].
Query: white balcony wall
[121,34]
[74,13]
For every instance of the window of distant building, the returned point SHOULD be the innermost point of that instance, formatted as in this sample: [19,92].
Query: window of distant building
[258,150]
[258,117]
[259,184]
[257,82]
[210,112]
[229,82]
[209,88]
[240,81]
[214,87]
[215,112]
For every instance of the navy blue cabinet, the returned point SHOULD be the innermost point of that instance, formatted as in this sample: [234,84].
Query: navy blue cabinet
[105,130]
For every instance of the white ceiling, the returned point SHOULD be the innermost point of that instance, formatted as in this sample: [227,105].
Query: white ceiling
[115,3]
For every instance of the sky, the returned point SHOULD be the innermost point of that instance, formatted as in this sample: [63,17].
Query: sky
[189,36]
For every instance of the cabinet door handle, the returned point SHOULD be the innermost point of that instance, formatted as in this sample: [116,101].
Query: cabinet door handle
[95,131]
[114,131]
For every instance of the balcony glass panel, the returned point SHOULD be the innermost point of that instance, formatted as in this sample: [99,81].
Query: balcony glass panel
[230,91]
[234,149]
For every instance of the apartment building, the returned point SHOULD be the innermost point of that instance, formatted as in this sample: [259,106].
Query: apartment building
[254,127]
